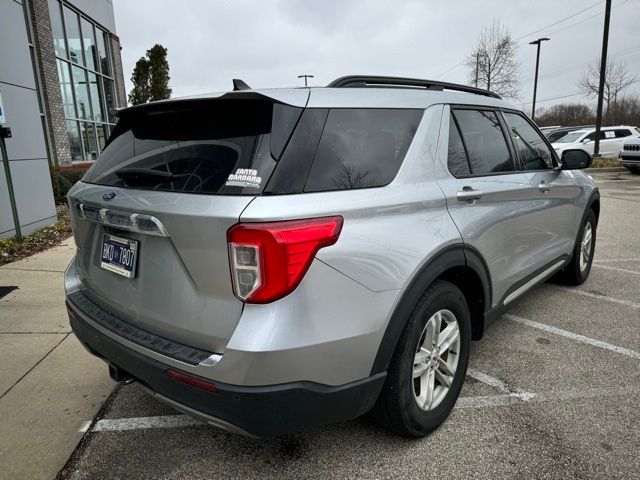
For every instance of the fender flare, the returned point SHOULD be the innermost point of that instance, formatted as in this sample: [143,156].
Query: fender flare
[457,255]
[593,198]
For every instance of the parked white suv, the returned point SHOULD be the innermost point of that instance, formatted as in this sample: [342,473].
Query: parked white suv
[611,140]
[630,155]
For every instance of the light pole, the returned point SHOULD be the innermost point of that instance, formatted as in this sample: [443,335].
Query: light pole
[603,72]
[305,78]
[535,80]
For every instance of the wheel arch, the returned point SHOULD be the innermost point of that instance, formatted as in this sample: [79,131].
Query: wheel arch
[457,264]
[594,204]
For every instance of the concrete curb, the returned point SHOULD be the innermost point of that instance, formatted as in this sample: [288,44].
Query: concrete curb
[605,169]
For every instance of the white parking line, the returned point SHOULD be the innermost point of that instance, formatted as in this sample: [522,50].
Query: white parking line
[509,399]
[574,336]
[603,260]
[489,380]
[616,269]
[619,301]
[493,400]
[165,421]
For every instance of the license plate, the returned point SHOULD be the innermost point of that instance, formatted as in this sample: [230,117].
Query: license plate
[119,255]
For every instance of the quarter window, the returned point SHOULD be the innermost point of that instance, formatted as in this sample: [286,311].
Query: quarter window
[485,142]
[530,147]
[361,148]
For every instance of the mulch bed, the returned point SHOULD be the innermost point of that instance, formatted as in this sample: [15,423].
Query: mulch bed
[42,239]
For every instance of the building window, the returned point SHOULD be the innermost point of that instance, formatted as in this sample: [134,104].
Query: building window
[86,82]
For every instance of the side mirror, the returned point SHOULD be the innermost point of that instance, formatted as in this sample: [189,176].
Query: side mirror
[576,159]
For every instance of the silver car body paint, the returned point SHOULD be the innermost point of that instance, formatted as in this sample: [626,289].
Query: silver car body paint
[329,329]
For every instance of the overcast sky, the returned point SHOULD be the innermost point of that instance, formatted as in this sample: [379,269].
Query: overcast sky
[268,43]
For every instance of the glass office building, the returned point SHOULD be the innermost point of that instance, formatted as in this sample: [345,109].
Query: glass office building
[60,76]
[85,71]
[78,59]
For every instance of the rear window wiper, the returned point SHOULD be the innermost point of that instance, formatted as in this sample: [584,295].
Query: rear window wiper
[125,173]
[145,176]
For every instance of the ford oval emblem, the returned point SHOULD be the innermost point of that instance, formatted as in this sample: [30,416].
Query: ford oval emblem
[109,196]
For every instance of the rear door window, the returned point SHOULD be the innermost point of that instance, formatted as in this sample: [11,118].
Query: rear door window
[361,148]
[623,132]
[485,141]
[532,150]
[207,147]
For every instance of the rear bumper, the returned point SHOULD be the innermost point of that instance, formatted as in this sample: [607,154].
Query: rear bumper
[264,411]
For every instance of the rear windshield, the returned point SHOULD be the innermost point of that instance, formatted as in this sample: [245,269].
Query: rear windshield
[218,147]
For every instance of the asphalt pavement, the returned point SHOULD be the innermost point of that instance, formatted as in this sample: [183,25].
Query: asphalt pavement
[553,391]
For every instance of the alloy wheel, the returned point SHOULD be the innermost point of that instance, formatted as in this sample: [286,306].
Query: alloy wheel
[585,246]
[436,359]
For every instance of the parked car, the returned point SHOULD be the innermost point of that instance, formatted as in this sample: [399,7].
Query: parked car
[630,155]
[611,140]
[557,133]
[272,259]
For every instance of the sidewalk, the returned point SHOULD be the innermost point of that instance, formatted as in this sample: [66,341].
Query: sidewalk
[49,384]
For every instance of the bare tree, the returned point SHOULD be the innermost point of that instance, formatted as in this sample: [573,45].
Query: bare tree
[624,111]
[350,177]
[566,114]
[617,78]
[492,64]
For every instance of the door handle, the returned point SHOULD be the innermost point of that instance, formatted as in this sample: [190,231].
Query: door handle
[468,194]
[544,187]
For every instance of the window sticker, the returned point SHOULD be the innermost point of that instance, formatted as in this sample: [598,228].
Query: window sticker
[244,177]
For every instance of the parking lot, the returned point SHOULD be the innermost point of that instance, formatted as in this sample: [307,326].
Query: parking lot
[553,391]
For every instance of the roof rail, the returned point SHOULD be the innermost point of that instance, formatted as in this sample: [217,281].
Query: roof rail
[375,81]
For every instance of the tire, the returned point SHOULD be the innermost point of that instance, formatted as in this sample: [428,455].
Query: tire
[397,407]
[577,271]
[634,170]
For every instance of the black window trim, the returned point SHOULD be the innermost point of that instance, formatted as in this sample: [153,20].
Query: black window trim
[507,139]
[557,165]
[464,145]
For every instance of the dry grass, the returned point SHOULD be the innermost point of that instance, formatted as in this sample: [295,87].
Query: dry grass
[42,239]
[605,162]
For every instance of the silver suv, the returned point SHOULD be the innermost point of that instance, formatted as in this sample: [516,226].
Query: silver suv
[267,260]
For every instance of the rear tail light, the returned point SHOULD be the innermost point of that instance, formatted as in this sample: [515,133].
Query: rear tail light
[268,260]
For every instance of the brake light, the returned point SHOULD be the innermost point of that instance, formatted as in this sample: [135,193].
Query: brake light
[269,260]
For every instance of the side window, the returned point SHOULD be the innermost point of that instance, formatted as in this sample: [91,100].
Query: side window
[361,148]
[591,137]
[457,159]
[621,133]
[485,141]
[532,149]
[608,135]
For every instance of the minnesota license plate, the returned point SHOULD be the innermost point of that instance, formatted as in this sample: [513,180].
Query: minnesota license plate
[118,255]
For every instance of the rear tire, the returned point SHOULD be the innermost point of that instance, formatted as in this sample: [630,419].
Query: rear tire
[577,271]
[414,406]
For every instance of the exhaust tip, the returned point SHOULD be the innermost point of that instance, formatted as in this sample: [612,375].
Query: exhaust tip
[119,375]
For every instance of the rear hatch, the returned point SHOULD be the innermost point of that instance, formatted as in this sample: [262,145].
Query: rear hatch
[151,216]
